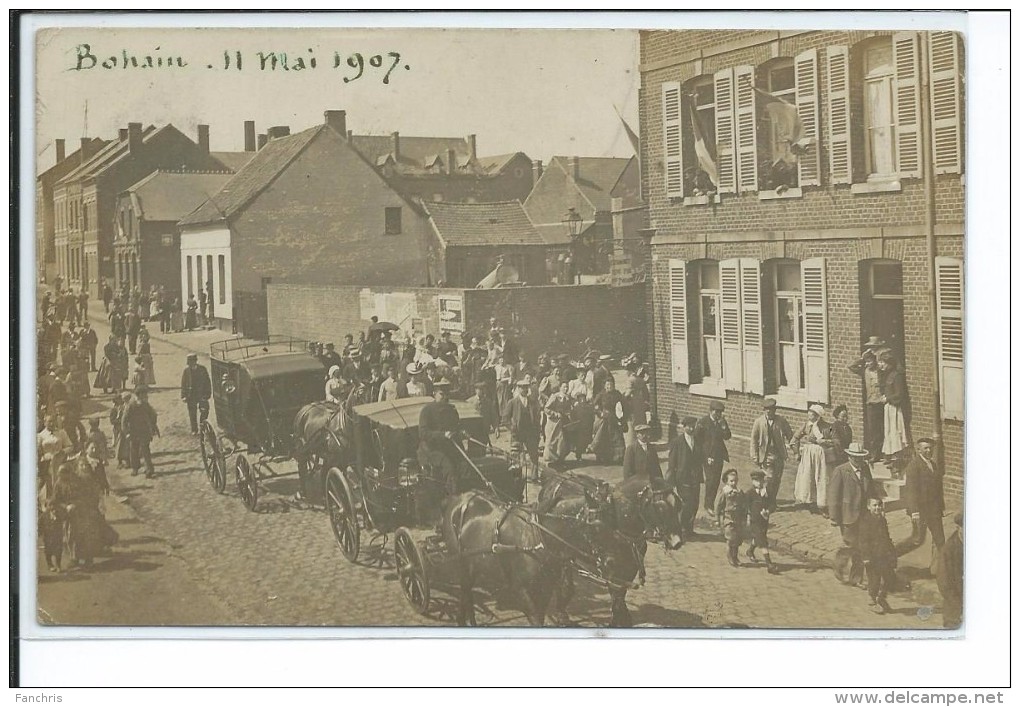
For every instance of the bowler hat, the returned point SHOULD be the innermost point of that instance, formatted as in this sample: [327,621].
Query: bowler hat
[856,449]
[141,389]
[874,342]
[689,421]
[769,404]
[192,357]
[757,474]
[929,440]
[642,428]
[716,405]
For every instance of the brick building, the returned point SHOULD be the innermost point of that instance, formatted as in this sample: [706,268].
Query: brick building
[84,199]
[147,244]
[307,207]
[767,280]
[46,216]
[467,241]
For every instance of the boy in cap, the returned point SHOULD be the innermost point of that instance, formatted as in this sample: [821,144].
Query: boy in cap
[96,437]
[878,555]
[731,514]
[758,505]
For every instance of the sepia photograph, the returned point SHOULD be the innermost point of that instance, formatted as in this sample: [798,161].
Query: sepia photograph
[500,328]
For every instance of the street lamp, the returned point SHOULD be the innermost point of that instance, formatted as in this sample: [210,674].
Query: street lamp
[573,221]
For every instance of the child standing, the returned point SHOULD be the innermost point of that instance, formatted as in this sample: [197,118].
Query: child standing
[758,519]
[95,436]
[731,513]
[879,555]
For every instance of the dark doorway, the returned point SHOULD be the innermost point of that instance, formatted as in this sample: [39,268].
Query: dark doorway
[881,288]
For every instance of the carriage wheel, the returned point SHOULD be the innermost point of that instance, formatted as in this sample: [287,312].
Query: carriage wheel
[212,458]
[411,571]
[247,482]
[342,518]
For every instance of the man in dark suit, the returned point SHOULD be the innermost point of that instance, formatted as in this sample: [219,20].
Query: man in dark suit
[923,494]
[196,389]
[711,434]
[849,489]
[639,459]
[685,472]
[438,433]
[523,420]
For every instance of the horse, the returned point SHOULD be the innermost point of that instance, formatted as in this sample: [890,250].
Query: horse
[320,434]
[614,545]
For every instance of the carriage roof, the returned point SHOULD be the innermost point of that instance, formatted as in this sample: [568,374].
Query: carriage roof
[403,413]
[275,356]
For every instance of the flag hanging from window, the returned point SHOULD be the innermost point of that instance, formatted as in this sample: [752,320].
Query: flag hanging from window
[631,135]
[704,151]
[784,116]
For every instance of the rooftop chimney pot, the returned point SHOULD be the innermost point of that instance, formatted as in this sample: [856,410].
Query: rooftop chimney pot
[472,141]
[134,137]
[203,138]
[396,146]
[574,167]
[337,119]
[262,140]
[278,131]
[122,134]
[451,161]
[60,150]
[536,170]
[249,136]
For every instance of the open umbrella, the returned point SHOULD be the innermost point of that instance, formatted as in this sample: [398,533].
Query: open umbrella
[382,326]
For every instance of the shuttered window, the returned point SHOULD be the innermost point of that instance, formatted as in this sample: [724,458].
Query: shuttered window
[746,129]
[678,321]
[725,139]
[751,326]
[673,144]
[732,350]
[949,294]
[806,92]
[816,340]
[838,78]
[907,104]
[946,101]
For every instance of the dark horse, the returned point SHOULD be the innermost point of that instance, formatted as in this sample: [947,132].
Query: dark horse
[321,441]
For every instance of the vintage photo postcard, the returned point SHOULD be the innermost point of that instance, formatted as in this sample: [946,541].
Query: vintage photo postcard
[500,327]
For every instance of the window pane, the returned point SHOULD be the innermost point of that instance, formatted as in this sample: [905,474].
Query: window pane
[887,279]
[880,132]
[787,314]
[781,79]
[704,94]
[788,277]
[879,59]
[223,279]
[710,276]
[708,314]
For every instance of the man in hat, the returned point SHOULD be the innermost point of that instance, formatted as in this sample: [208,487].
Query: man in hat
[685,472]
[485,404]
[89,342]
[923,494]
[196,389]
[330,357]
[712,433]
[446,349]
[438,432]
[522,418]
[140,426]
[874,403]
[848,493]
[770,435]
[639,459]
[132,325]
[350,371]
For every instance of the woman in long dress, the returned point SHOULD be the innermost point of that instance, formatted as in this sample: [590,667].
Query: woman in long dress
[894,390]
[113,369]
[610,423]
[191,317]
[812,440]
[557,414]
[145,353]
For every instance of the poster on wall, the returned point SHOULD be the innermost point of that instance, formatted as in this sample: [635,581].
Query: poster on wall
[451,314]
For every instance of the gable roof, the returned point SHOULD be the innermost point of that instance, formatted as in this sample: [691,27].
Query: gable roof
[596,177]
[497,163]
[74,158]
[102,159]
[169,196]
[253,178]
[233,160]
[498,223]
[414,151]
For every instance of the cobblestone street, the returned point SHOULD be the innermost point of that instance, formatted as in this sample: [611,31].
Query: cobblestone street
[280,565]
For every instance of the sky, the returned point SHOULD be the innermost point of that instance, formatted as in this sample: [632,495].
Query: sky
[543,92]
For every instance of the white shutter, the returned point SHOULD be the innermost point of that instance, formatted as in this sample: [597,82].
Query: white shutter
[949,293]
[732,355]
[806,92]
[907,104]
[750,326]
[816,339]
[678,321]
[946,101]
[747,133]
[672,141]
[838,75]
[725,147]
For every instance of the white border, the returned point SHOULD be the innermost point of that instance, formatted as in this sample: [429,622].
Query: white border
[719,662]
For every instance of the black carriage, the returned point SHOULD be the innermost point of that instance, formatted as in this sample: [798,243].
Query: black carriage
[382,487]
[258,387]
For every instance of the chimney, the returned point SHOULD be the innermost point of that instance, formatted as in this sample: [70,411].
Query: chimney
[122,134]
[263,139]
[472,147]
[88,149]
[536,170]
[350,135]
[574,167]
[60,149]
[337,119]
[249,136]
[396,146]
[203,139]
[278,131]
[451,161]
[134,137]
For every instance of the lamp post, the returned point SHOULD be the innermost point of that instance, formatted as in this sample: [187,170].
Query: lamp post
[573,221]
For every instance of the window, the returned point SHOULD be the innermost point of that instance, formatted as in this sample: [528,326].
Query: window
[209,278]
[789,318]
[879,126]
[701,94]
[777,163]
[709,315]
[949,295]
[393,218]
[191,285]
[223,278]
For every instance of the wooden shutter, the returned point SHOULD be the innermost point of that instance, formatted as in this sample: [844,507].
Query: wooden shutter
[732,356]
[751,326]
[946,101]
[907,104]
[838,75]
[949,295]
[816,339]
[725,145]
[678,321]
[672,143]
[747,133]
[806,91]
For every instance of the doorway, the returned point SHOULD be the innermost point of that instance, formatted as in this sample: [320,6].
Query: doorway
[881,288]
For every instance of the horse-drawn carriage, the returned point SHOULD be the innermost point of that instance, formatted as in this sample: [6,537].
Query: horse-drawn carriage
[258,388]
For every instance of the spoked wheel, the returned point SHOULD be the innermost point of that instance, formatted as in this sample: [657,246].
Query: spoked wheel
[212,458]
[247,482]
[411,571]
[342,518]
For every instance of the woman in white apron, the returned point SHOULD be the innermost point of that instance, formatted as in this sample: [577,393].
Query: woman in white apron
[811,441]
